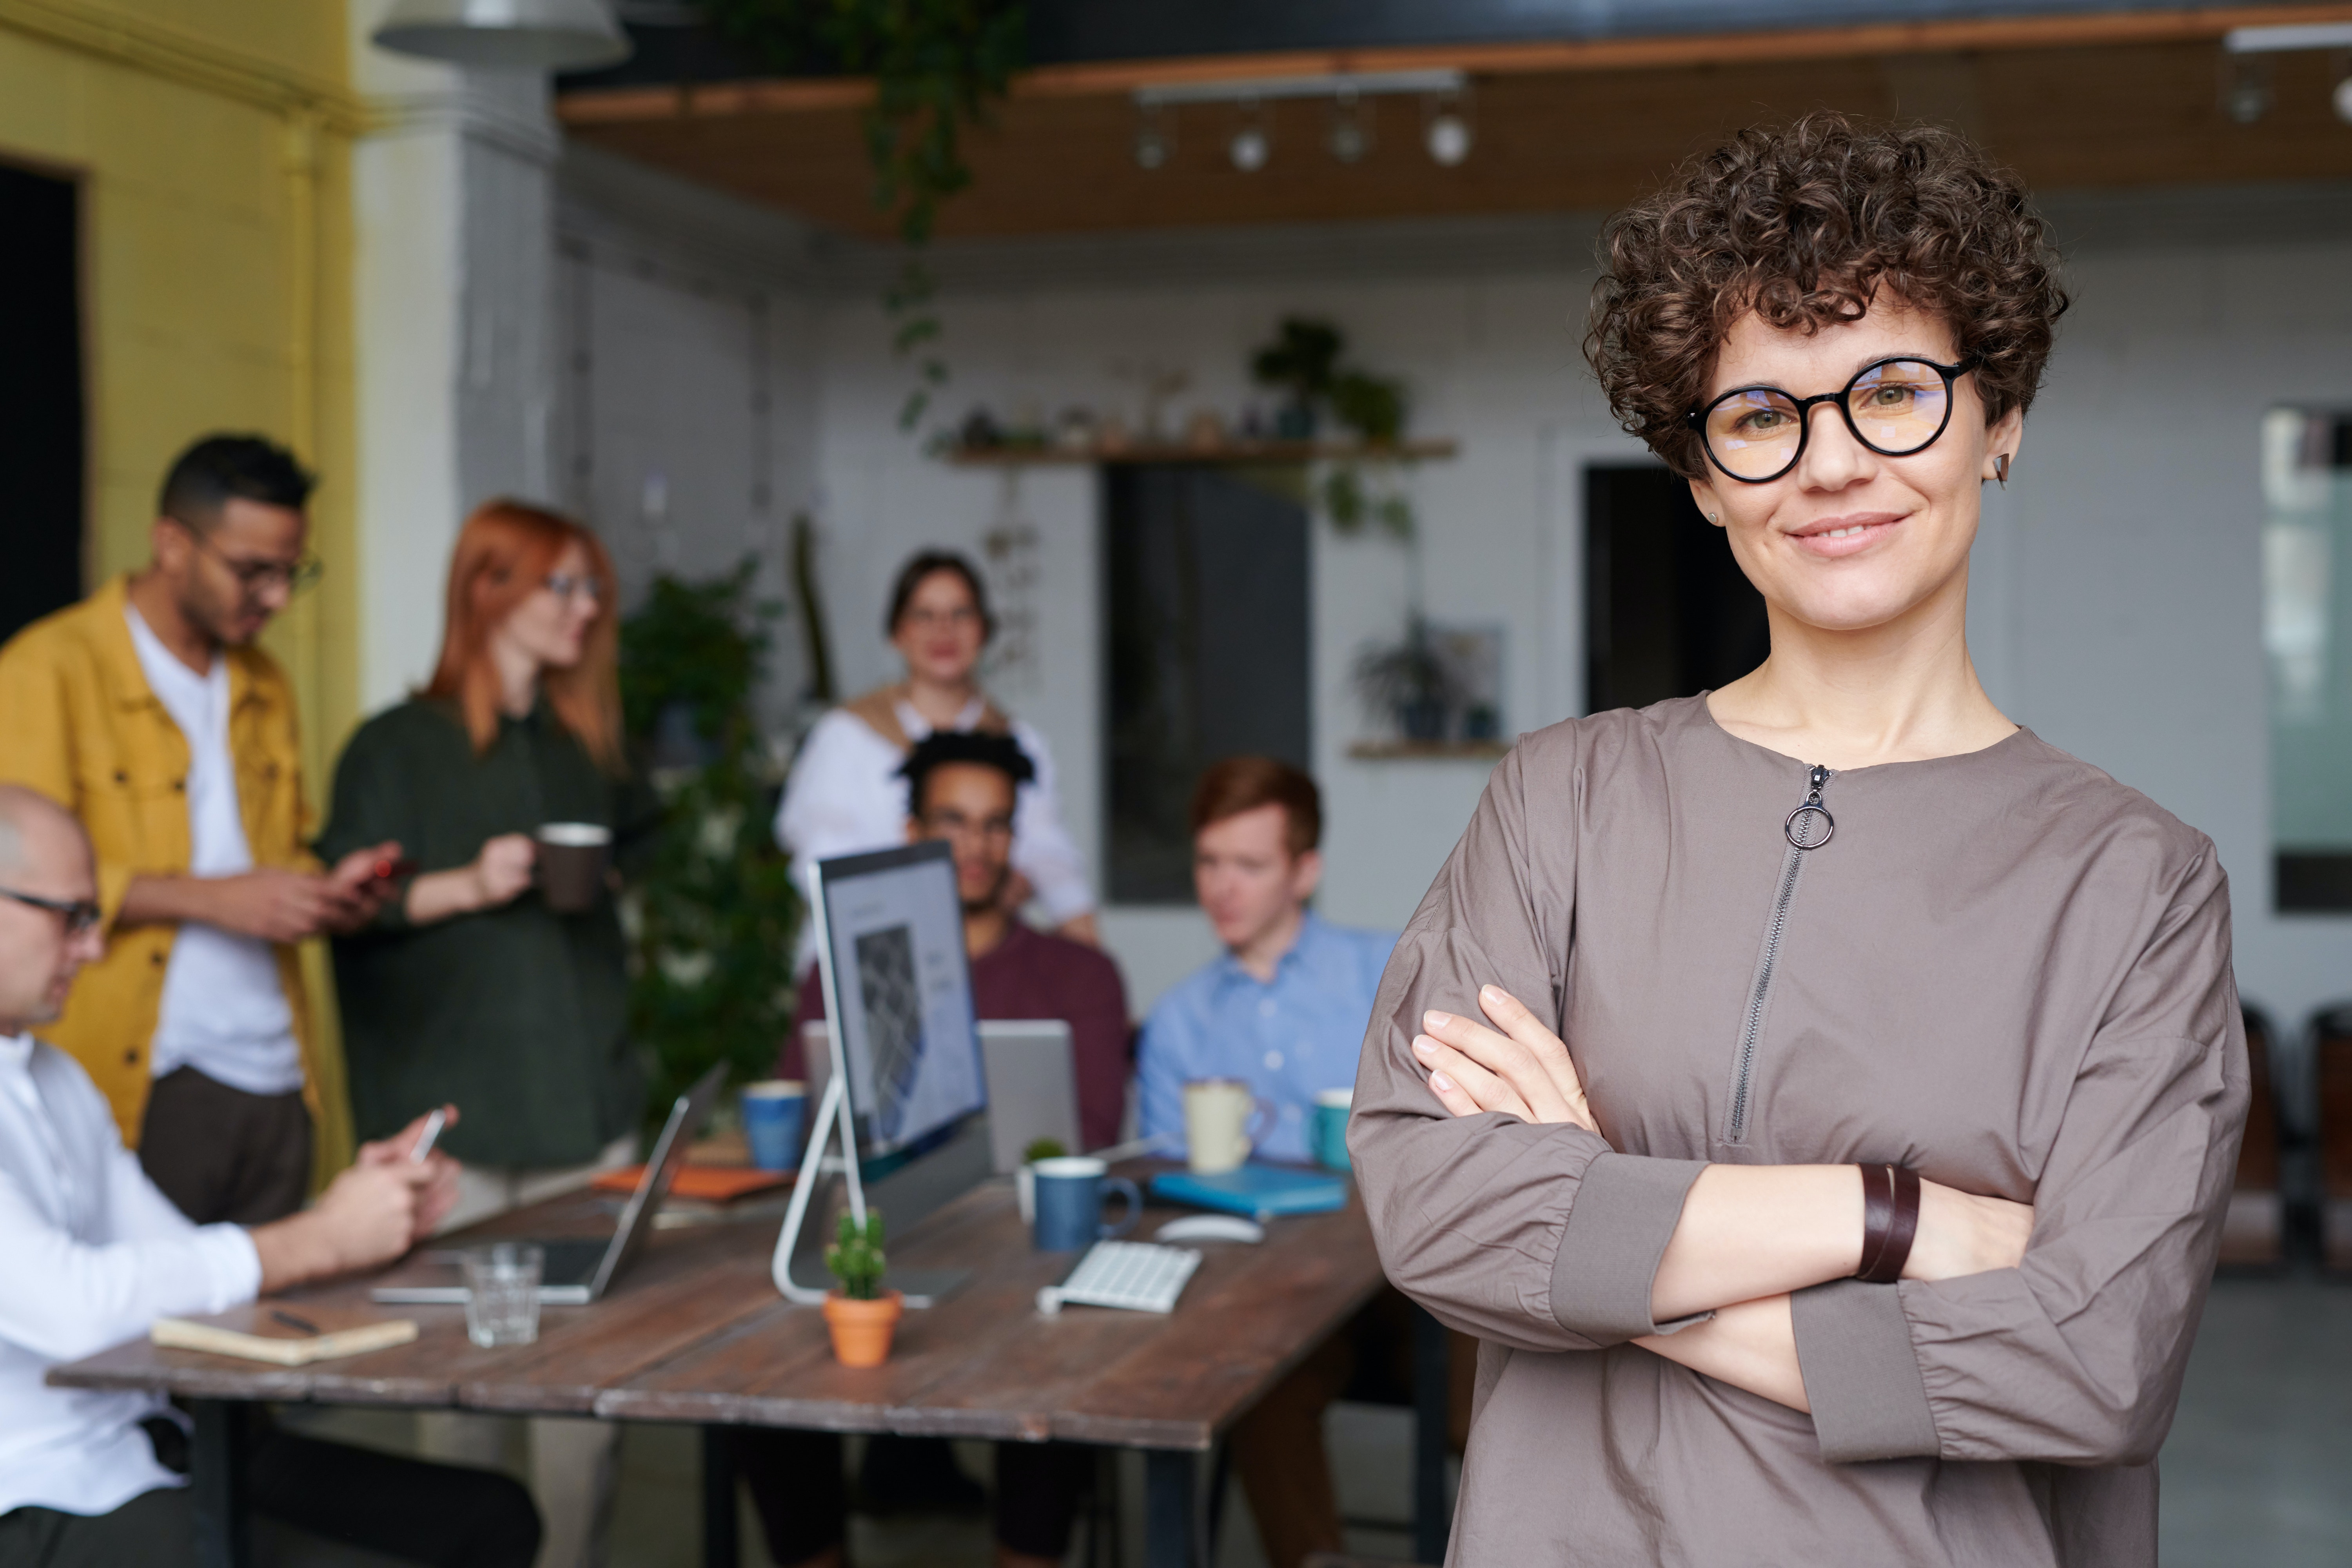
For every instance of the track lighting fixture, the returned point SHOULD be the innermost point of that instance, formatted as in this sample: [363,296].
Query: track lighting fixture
[1352,127]
[1251,146]
[1155,141]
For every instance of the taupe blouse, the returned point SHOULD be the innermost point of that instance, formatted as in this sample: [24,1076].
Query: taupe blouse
[2003,969]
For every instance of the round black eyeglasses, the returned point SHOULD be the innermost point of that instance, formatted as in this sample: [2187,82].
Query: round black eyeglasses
[1894,408]
[78,914]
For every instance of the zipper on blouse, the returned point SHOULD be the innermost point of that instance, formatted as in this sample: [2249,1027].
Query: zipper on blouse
[1806,828]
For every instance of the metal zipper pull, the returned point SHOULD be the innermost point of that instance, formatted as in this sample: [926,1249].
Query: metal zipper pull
[1810,825]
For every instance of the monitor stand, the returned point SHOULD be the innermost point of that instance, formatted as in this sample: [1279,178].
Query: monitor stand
[920,1287]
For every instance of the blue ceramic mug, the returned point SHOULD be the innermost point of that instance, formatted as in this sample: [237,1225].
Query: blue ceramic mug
[1070,1193]
[1328,1136]
[773,1112]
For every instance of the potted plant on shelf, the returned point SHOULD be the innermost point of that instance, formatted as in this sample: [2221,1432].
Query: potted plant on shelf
[1408,684]
[860,1314]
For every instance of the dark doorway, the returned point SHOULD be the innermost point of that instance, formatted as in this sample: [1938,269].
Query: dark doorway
[1667,612]
[1206,629]
[41,396]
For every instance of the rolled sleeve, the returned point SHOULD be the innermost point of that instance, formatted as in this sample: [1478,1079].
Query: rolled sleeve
[1495,1224]
[1862,1374]
[1625,1213]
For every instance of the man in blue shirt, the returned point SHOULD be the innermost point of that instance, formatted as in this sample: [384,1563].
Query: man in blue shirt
[1285,1009]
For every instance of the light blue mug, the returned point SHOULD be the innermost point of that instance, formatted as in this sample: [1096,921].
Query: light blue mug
[1327,1138]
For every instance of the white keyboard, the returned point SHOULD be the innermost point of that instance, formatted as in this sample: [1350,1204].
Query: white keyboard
[1135,1275]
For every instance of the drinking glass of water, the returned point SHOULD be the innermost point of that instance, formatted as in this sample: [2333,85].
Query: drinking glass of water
[502,1293]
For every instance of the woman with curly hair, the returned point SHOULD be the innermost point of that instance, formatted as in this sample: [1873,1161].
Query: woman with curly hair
[1820,1095]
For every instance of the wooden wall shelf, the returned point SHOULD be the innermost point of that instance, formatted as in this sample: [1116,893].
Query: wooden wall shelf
[1429,751]
[1230,453]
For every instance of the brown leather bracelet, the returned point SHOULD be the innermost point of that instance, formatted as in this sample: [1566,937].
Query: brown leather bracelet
[1877,1216]
[1890,1222]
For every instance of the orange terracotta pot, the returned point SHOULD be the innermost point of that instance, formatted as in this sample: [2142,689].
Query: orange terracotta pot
[862,1330]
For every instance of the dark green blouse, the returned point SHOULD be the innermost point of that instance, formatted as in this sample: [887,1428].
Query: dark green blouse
[518,1015]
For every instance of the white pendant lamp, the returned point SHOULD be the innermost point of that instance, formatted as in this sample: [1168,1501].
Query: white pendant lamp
[530,34]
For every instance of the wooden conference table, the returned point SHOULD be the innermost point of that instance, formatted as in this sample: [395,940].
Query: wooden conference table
[695,1333]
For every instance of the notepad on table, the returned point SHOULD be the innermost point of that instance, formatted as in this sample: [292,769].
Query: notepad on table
[260,1332]
[700,1183]
[1261,1191]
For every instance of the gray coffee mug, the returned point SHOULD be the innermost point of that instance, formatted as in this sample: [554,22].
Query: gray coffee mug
[1070,1203]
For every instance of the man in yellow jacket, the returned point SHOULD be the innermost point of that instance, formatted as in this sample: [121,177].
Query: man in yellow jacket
[146,712]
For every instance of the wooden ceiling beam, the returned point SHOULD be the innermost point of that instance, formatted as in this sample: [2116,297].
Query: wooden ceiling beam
[608,106]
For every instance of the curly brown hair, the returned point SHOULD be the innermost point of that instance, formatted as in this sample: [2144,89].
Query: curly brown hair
[1802,225]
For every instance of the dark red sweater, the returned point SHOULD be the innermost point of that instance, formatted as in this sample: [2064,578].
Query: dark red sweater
[1032,974]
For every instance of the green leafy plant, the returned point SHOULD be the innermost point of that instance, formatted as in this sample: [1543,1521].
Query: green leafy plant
[1301,360]
[711,917]
[1042,1149]
[855,1257]
[1306,360]
[938,68]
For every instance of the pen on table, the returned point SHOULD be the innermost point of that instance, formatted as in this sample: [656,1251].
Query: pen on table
[425,1139]
[295,1320]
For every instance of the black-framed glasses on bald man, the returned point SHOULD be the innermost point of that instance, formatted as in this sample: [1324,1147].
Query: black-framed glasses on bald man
[254,576]
[81,915]
[1895,406]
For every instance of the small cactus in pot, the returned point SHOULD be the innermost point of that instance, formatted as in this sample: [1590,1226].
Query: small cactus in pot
[860,1315]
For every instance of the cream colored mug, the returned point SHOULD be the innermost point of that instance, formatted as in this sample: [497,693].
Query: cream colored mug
[1218,1134]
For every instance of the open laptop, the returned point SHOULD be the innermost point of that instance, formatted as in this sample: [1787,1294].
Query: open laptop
[1033,1087]
[580,1270]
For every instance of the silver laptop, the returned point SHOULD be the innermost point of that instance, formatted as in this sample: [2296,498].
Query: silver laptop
[1033,1087]
[579,1270]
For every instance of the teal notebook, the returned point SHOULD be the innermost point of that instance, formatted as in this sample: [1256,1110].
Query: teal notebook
[1260,1192]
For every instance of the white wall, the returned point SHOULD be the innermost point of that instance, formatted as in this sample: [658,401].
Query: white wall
[684,421]
[2114,606]
[454,351]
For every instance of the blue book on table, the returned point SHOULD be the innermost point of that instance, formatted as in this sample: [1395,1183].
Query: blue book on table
[1260,1192]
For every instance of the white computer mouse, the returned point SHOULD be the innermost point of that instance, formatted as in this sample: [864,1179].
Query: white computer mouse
[1211,1227]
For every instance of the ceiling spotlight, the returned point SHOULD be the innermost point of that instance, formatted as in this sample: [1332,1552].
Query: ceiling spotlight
[2246,88]
[1251,146]
[1447,131]
[1154,143]
[1351,128]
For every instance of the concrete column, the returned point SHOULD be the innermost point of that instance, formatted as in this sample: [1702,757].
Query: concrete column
[454,233]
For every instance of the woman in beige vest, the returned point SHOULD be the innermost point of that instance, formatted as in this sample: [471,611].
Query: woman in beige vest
[845,796]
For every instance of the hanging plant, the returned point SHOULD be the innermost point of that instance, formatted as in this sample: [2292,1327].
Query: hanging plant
[938,67]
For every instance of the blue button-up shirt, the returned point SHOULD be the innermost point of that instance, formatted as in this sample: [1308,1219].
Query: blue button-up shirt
[1289,1038]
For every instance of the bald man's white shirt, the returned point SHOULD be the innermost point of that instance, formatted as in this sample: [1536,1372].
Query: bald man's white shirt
[90,1255]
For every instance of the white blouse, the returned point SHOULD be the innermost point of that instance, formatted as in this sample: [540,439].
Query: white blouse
[844,798]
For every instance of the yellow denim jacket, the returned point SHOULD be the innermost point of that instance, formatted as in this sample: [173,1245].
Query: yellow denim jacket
[78,724]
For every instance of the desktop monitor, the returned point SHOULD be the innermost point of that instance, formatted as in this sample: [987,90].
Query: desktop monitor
[890,955]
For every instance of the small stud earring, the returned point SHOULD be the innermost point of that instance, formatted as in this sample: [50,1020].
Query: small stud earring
[1714,518]
[2000,469]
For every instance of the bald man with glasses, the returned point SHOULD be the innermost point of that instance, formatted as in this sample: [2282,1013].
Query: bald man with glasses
[147,711]
[97,1480]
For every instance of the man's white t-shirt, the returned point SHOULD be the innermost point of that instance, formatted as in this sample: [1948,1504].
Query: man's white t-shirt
[223,1011]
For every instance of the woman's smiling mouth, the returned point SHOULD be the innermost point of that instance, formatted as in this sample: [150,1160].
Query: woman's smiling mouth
[1832,537]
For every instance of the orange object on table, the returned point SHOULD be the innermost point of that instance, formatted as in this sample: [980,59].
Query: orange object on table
[704,1183]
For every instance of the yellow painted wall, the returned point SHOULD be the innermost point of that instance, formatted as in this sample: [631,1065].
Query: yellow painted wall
[211,138]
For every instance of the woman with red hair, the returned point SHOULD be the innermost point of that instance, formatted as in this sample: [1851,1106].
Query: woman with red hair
[470,988]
